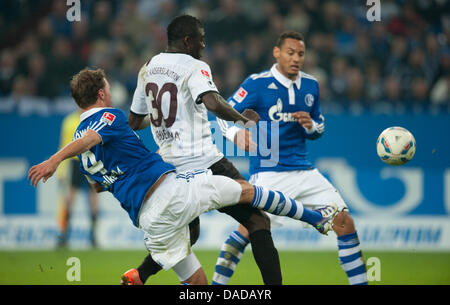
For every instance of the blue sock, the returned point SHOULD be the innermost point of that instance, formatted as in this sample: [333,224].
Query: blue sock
[230,255]
[311,216]
[276,203]
[350,257]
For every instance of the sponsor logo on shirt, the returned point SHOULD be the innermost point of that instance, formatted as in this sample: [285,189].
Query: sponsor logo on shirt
[276,113]
[240,95]
[108,118]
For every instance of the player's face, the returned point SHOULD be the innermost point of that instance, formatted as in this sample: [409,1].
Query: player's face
[290,57]
[197,44]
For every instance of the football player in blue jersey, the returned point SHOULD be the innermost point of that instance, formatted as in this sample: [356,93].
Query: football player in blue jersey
[158,200]
[289,100]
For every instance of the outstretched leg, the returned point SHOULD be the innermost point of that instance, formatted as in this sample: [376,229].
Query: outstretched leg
[273,202]
[276,203]
[258,225]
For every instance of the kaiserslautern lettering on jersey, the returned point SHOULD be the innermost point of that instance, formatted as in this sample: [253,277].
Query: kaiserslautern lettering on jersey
[275,97]
[113,162]
[169,89]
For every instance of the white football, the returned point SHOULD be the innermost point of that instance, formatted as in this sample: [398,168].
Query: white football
[396,146]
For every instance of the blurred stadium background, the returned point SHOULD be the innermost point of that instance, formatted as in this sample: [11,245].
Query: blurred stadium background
[372,75]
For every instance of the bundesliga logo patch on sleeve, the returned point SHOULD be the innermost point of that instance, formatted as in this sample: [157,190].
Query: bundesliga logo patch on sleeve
[240,95]
[205,73]
[108,118]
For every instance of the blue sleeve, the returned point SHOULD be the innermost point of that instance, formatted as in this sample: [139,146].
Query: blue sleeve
[109,124]
[316,115]
[243,98]
[246,96]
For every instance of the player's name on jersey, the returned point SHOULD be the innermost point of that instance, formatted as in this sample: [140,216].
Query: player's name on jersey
[110,179]
[165,134]
[163,71]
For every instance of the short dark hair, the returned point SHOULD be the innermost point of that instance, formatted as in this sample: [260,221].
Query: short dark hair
[289,34]
[84,86]
[182,26]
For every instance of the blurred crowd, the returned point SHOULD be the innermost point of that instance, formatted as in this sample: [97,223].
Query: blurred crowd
[400,64]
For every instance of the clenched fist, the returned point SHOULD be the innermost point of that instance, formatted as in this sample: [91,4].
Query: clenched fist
[251,115]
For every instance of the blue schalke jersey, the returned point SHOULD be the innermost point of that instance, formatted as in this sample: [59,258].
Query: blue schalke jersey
[282,145]
[121,163]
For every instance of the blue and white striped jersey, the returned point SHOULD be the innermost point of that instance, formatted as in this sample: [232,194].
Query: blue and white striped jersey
[121,164]
[275,97]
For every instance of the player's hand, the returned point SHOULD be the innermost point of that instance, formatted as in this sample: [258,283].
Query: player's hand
[243,140]
[251,115]
[42,171]
[303,119]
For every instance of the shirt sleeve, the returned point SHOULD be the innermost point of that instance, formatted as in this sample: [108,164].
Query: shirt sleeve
[244,98]
[201,81]
[110,124]
[139,103]
[318,120]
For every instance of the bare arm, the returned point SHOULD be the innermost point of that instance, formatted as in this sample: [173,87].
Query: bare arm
[215,103]
[138,122]
[47,168]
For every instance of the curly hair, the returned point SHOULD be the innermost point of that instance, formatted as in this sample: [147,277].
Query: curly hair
[84,86]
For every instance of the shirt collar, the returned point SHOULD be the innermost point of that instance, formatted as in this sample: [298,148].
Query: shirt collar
[91,111]
[283,79]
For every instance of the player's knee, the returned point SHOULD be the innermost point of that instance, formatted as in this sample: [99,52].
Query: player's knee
[258,221]
[190,271]
[343,223]
[198,278]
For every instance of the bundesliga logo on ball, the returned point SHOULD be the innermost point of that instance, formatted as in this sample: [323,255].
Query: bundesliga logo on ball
[396,146]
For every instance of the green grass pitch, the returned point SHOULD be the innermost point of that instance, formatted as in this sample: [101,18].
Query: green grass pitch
[313,268]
